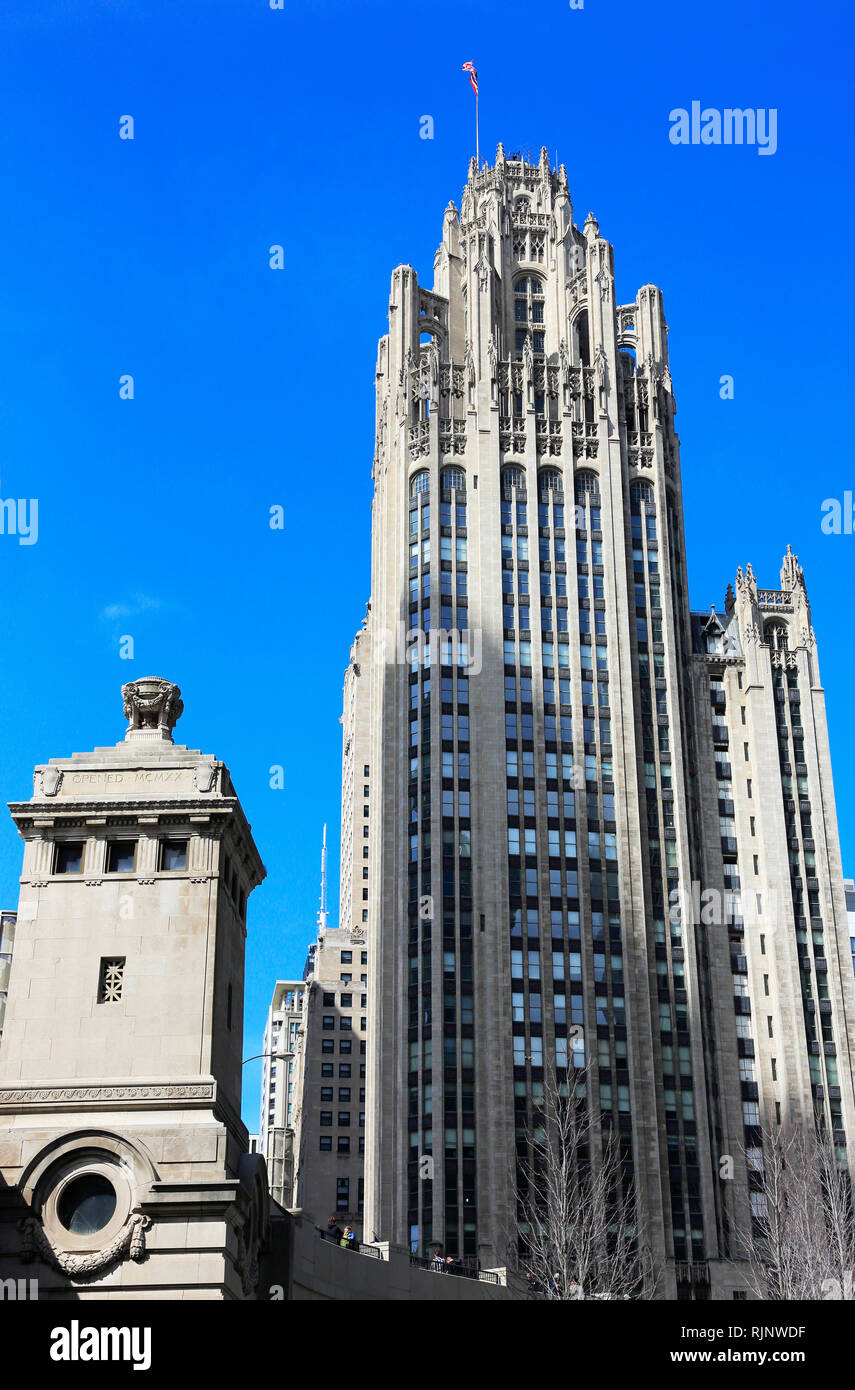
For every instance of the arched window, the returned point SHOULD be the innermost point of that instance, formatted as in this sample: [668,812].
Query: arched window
[513,478]
[581,338]
[420,482]
[549,480]
[777,637]
[451,479]
[587,482]
[529,313]
[638,493]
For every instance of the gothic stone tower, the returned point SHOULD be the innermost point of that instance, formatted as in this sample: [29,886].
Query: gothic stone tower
[522,693]
[769,834]
[123,1161]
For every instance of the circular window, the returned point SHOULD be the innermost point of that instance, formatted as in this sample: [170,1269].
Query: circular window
[87,1204]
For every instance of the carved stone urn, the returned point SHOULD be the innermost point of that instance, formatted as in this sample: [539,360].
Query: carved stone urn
[152,705]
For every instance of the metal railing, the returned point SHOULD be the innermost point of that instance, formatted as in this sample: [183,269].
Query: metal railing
[461,1268]
[359,1247]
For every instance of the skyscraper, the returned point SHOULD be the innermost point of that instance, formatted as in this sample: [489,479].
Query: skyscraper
[313,1085]
[281,1086]
[602,828]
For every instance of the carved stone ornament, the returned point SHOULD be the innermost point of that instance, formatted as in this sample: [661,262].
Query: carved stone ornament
[129,1242]
[101,1095]
[51,781]
[469,363]
[152,703]
[205,775]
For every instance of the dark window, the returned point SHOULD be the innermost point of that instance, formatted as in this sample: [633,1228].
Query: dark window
[343,1145]
[344,1069]
[347,1001]
[345,1046]
[326,1117]
[346,957]
[68,857]
[121,856]
[326,1144]
[327,1069]
[326,1092]
[328,1023]
[173,855]
[343,1119]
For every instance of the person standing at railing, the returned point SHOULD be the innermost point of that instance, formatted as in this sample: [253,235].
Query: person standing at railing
[334,1231]
[348,1239]
[437,1262]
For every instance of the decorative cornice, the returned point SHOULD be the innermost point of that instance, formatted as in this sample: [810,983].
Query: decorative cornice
[84,1097]
[123,806]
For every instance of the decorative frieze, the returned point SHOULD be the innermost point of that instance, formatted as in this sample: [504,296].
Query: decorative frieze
[134,1093]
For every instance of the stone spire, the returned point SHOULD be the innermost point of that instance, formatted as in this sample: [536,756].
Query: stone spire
[152,706]
[792,574]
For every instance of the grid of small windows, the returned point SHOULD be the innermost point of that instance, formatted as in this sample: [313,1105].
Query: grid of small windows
[735,924]
[338,1018]
[678,1095]
[804,885]
[440,1023]
[566,949]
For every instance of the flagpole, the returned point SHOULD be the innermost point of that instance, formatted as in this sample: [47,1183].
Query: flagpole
[477,148]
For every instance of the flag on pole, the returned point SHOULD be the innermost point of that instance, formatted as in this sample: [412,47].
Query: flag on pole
[473,76]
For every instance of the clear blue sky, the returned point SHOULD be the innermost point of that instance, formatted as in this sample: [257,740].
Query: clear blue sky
[255,387]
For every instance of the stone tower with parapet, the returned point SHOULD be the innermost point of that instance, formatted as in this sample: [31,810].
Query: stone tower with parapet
[123,1160]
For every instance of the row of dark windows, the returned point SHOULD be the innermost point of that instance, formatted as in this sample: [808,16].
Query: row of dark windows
[68,856]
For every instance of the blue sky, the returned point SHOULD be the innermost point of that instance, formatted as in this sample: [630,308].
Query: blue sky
[254,387]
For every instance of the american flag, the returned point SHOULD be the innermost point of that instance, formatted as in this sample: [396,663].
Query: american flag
[473,76]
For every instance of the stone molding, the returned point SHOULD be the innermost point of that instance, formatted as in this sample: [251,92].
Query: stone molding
[142,1093]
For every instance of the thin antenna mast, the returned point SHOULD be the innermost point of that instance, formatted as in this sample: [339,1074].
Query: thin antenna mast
[323,915]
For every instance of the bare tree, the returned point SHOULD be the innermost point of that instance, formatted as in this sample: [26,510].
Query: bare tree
[802,1241]
[579,1230]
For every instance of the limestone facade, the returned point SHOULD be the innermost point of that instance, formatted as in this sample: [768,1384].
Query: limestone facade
[545,788]
[123,1160]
